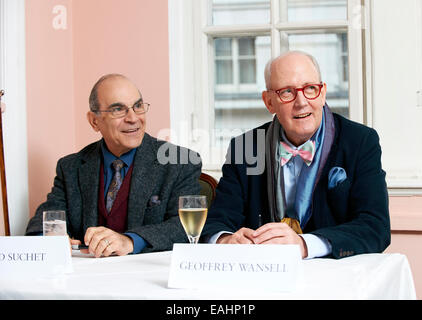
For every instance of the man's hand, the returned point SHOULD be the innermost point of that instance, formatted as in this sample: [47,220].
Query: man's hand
[242,236]
[279,233]
[103,242]
[73,241]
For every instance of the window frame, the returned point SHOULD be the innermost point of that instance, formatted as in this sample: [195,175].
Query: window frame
[188,20]
[235,57]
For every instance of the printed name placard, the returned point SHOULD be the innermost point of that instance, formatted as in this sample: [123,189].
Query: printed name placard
[29,256]
[270,267]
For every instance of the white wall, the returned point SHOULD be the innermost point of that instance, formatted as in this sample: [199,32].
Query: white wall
[12,73]
[396,42]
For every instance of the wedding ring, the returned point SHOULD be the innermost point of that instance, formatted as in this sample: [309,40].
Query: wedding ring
[107,242]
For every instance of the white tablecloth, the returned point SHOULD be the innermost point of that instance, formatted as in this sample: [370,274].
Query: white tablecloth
[145,276]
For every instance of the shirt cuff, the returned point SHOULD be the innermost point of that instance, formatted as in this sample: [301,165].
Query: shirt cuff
[317,246]
[138,242]
[215,237]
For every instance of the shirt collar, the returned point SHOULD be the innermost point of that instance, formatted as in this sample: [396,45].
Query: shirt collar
[108,157]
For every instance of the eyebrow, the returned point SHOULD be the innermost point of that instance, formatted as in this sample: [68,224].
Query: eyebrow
[120,104]
[303,85]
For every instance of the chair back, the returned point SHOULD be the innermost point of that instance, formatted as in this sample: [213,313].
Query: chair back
[208,186]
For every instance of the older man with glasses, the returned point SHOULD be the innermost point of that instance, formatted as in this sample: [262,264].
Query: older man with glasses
[322,185]
[119,196]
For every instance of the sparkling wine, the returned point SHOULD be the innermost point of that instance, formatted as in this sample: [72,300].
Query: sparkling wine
[193,220]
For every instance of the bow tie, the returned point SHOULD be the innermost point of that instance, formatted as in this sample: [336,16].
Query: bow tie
[306,152]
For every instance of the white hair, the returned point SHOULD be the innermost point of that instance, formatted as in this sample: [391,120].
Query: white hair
[267,70]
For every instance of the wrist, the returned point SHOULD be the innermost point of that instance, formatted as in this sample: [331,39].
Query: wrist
[221,239]
[303,248]
[128,243]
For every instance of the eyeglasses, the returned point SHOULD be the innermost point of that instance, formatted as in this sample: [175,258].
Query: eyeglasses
[288,94]
[118,110]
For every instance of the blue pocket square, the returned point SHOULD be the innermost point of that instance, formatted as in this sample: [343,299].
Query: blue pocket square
[154,201]
[336,176]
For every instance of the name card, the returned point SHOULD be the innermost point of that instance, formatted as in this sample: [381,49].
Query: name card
[269,267]
[34,256]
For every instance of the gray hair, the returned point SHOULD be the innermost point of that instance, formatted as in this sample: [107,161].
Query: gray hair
[267,70]
[94,105]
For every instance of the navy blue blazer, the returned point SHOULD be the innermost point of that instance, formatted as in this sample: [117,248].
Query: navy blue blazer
[353,216]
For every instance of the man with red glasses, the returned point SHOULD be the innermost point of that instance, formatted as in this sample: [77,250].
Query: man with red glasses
[322,185]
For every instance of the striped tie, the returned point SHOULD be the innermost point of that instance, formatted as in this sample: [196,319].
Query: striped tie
[115,184]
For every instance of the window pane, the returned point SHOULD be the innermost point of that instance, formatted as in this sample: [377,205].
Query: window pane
[330,50]
[246,46]
[313,10]
[225,12]
[224,71]
[239,107]
[247,71]
[223,47]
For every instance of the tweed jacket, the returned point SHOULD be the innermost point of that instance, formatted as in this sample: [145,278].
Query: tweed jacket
[153,196]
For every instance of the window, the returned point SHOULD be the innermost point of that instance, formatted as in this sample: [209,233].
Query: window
[225,53]
[238,85]
[370,78]
[235,62]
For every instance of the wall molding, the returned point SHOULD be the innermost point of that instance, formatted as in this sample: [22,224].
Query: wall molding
[406,213]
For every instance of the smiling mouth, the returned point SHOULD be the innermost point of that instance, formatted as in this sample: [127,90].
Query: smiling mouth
[302,116]
[131,130]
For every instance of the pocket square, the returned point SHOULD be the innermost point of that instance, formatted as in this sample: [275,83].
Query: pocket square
[336,176]
[154,201]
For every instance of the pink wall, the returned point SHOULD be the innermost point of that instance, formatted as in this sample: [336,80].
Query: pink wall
[128,37]
[50,103]
[102,36]
[406,237]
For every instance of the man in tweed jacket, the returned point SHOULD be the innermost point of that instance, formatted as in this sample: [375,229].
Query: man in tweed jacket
[159,174]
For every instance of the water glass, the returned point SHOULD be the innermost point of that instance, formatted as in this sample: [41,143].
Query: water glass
[54,223]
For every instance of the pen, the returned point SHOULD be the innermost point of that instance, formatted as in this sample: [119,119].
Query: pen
[79,246]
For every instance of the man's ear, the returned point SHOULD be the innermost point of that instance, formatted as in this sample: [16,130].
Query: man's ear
[93,120]
[324,91]
[266,97]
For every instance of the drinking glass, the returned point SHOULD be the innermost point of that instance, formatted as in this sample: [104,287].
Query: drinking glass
[54,223]
[193,214]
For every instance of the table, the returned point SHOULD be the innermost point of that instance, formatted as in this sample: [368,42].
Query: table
[145,276]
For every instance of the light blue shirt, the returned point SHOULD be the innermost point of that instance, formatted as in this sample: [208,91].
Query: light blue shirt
[317,246]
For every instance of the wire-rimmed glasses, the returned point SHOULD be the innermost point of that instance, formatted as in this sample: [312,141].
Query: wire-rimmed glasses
[119,110]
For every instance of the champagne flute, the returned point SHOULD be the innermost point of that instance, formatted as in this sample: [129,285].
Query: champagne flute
[193,214]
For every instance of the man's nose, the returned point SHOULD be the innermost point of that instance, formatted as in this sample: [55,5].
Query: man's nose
[300,99]
[131,116]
